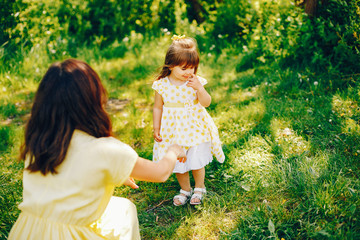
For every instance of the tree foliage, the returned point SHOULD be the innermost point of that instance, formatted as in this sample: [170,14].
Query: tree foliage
[261,31]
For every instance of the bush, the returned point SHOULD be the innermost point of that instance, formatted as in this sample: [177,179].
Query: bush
[331,41]
[322,49]
[5,138]
[231,23]
[9,17]
[272,35]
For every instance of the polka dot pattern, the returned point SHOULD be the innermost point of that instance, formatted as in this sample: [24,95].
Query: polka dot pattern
[188,125]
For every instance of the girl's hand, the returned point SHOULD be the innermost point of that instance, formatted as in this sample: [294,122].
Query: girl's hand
[194,82]
[179,151]
[157,136]
[131,183]
[202,95]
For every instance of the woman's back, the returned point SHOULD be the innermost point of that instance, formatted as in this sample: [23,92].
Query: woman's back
[74,198]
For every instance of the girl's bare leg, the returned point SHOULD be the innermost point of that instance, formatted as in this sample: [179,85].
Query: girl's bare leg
[184,182]
[199,177]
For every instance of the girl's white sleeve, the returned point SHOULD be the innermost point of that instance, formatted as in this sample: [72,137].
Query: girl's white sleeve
[203,81]
[157,86]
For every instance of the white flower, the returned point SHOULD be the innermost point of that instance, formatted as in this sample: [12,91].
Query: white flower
[227,176]
[316,83]
[287,132]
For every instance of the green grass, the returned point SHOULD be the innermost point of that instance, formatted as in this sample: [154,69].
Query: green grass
[292,168]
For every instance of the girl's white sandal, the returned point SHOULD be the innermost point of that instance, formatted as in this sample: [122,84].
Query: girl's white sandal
[182,198]
[199,196]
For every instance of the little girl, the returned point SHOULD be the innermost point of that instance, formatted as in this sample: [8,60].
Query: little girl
[179,116]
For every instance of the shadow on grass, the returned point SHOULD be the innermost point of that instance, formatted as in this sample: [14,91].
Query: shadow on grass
[304,187]
[321,200]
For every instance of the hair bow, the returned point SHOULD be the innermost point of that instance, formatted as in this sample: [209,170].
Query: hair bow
[177,37]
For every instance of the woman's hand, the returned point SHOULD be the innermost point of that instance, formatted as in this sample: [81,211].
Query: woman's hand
[146,170]
[131,183]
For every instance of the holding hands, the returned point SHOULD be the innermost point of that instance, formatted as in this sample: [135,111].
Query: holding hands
[131,183]
[179,151]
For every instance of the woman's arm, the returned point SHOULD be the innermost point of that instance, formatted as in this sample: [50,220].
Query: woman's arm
[157,113]
[146,170]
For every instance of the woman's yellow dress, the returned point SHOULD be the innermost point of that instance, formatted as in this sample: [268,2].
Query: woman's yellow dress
[77,203]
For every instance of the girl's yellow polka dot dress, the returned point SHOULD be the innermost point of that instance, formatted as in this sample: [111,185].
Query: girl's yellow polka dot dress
[184,121]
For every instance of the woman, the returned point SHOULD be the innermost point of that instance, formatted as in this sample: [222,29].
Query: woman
[72,163]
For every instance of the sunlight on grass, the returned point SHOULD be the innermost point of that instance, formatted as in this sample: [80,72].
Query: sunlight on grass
[209,72]
[36,62]
[287,139]
[274,168]
[207,224]
[12,84]
[111,66]
[239,121]
[344,107]
[347,109]
[235,95]
[351,127]
[253,159]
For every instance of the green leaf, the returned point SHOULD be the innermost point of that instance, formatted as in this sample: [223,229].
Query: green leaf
[352,191]
[245,187]
[324,233]
[353,209]
[271,226]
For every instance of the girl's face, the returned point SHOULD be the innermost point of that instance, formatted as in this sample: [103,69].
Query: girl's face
[181,73]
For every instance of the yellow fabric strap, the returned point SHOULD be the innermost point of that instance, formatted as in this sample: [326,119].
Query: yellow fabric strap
[177,105]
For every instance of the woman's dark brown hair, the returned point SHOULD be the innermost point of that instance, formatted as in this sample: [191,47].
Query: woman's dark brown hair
[182,52]
[70,96]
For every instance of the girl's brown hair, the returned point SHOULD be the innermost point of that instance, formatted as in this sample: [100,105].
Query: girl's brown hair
[70,96]
[182,52]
